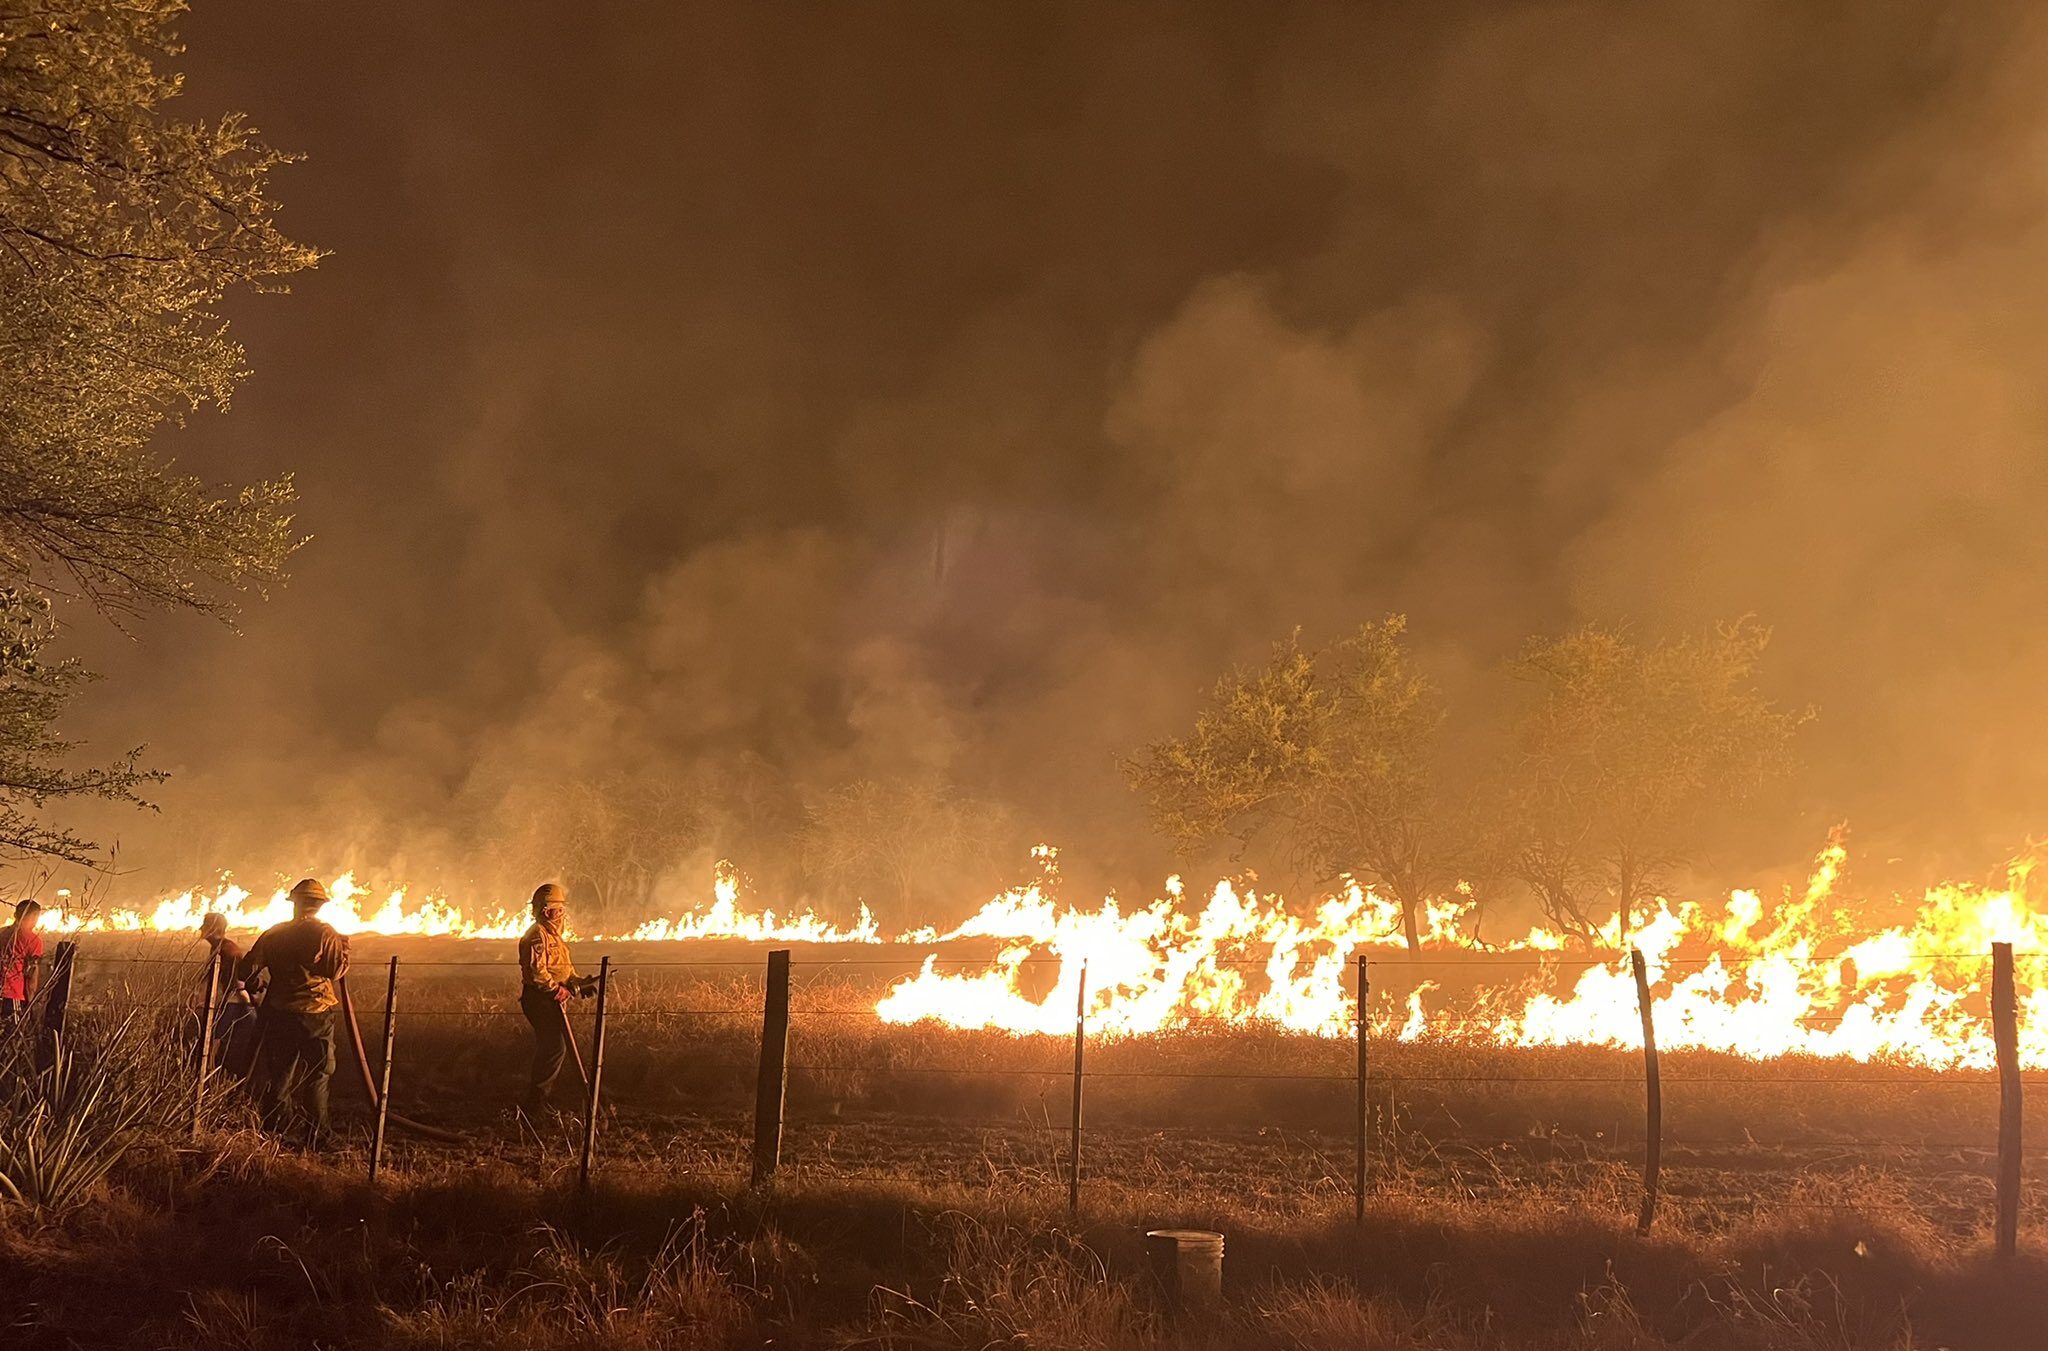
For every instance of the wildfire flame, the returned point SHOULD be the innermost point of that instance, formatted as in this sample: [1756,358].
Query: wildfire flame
[724,919]
[1802,975]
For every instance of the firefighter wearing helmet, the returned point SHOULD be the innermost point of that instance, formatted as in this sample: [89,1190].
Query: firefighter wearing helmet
[296,965]
[547,981]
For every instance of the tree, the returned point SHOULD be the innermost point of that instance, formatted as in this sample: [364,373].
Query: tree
[122,229]
[1623,753]
[33,692]
[623,829]
[1331,754]
[906,837]
[608,835]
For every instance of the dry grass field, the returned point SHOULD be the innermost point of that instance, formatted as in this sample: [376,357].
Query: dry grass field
[922,1200]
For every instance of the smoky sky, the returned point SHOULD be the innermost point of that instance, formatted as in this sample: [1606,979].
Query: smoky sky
[942,389]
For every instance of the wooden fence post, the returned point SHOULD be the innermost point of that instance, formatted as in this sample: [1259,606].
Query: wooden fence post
[2006,1038]
[1359,1168]
[205,1040]
[58,1001]
[56,1004]
[596,1098]
[1653,1097]
[384,1074]
[771,1083]
[1074,1139]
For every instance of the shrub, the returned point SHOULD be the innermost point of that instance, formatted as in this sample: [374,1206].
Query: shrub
[66,1123]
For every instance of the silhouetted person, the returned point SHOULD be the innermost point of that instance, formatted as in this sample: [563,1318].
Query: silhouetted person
[232,1009]
[21,961]
[547,981]
[299,961]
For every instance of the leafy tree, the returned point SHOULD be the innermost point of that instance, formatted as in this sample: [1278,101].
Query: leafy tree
[903,838]
[623,829]
[122,229]
[608,835]
[33,692]
[1622,755]
[1331,755]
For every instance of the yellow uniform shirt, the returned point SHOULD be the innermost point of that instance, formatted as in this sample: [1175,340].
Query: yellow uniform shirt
[544,959]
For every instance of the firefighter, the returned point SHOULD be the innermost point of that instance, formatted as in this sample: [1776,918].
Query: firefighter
[232,1010]
[298,962]
[547,981]
[21,962]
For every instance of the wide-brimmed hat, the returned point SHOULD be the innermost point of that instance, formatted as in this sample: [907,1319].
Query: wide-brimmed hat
[309,892]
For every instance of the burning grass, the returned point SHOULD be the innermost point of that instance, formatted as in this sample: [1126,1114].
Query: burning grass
[1811,971]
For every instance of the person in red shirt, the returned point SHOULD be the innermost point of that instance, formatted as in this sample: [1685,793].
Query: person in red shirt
[21,961]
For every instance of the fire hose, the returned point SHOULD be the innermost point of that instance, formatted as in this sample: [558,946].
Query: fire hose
[575,1051]
[362,1059]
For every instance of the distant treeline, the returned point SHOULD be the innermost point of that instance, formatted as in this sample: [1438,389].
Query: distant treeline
[1595,769]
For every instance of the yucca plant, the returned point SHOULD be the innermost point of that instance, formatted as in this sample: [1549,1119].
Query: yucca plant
[64,1125]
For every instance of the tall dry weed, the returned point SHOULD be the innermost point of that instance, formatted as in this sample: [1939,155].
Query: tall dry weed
[690,1295]
[1010,1286]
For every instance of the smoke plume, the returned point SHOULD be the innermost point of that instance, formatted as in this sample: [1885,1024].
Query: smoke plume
[753,401]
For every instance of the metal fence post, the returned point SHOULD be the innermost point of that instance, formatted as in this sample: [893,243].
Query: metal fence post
[604,981]
[205,1041]
[1653,1097]
[771,1082]
[1364,1111]
[1074,1142]
[384,1075]
[2005,1037]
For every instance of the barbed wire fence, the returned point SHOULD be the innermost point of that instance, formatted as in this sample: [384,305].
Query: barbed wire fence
[1057,1114]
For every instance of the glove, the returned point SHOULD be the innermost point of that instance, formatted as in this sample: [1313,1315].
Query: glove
[585,986]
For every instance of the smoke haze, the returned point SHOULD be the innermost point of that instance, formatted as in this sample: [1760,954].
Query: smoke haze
[751,400]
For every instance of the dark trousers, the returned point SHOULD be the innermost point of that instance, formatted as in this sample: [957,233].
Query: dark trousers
[294,1061]
[234,1038]
[233,1025]
[550,1041]
[22,1023]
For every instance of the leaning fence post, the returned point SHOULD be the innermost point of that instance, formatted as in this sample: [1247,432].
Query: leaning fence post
[1653,1097]
[205,1040]
[1074,1140]
[1359,1175]
[384,1075]
[58,1002]
[604,980]
[2005,1036]
[771,1084]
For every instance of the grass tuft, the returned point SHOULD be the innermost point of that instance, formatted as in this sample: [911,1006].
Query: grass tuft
[71,1107]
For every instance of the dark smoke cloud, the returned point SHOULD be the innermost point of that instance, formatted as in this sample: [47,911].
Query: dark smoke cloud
[769,397]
